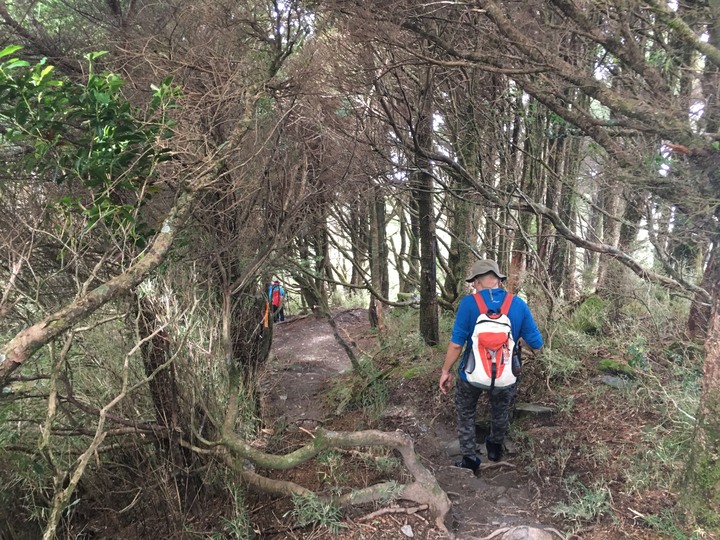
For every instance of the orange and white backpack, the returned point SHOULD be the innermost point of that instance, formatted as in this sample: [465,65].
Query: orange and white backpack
[488,362]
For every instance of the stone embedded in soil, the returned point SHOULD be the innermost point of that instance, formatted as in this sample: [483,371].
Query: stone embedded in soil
[615,382]
[534,408]
[526,533]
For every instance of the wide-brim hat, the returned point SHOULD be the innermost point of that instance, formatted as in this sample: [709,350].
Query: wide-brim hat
[484,266]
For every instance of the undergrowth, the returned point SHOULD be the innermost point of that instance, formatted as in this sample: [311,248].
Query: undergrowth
[639,417]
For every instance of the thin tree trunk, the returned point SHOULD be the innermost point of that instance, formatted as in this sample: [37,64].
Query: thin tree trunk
[700,312]
[359,239]
[413,273]
[378,257]
[611,232]
[163,388]
[423,187]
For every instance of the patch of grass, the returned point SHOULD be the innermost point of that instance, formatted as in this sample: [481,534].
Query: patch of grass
[559,366]
[237,524]
[309,509]
[391,492]
[387,464]
[669,525]
[565,405]
[584,503]
[598,453]
[659,462]
[365,389]
[636,353]
[359,299]
[417,370]
[331,471]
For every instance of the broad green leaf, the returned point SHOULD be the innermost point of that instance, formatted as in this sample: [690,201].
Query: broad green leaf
[45,71]
[93,55]
[16,64]
[9,50]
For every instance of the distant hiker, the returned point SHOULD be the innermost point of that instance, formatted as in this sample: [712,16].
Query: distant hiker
[488,323]
[276,297]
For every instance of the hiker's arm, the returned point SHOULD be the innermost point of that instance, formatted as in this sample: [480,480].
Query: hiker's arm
[530,332]
[451,357]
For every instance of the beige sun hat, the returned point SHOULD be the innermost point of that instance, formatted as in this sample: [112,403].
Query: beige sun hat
[483,267]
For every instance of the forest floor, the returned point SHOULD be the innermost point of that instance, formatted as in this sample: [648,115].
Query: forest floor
[307,362]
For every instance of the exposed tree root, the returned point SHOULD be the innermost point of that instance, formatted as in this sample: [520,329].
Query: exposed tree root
[424,490]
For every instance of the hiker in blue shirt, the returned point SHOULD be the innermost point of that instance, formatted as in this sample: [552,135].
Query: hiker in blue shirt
[486,278]
[276,297]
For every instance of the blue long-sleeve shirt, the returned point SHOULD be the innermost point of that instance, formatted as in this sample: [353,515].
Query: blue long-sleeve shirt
[521,320]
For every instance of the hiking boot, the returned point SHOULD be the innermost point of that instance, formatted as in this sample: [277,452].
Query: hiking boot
[467,462]
[494,450]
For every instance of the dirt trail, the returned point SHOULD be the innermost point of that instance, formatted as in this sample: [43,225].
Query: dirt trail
[307,356]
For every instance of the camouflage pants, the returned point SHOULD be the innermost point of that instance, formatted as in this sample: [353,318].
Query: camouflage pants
[466,398]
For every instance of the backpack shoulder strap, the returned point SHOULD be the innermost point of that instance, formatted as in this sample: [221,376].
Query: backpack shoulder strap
[480,303]
[505,307]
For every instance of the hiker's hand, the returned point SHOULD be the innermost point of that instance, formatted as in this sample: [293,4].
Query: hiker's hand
[445,382]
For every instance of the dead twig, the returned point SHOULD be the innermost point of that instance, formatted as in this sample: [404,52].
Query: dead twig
[496,465]
[393,510]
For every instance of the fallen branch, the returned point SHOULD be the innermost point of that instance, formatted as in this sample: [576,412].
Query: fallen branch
[344,344]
